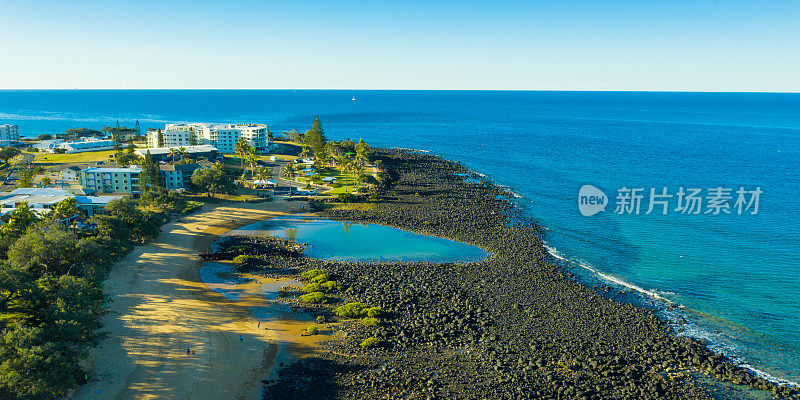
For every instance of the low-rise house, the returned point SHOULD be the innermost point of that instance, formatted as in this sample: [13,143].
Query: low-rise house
[70,173]
[42,200]
[111,180]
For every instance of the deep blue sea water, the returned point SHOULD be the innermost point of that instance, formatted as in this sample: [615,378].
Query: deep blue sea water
[737,276]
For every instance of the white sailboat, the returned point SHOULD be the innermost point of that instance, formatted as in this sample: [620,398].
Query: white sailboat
[354,97]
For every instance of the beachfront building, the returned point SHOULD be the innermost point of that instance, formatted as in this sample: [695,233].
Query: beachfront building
[111,180]
[222,136]
[194,152]
[42,200]
[171,137]
[79,146]
[48,145]
[177,176]
[9,135]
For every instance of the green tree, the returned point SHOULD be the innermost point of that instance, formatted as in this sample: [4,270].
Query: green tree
[151,173]
[315,138]
[160,138]
[192,138]
[288,171]
[212,180]
[19,220]
[362,151]
[242,149]
[7,153]
[65,210]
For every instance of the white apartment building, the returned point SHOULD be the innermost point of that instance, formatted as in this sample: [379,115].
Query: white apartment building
[171,137]
[9,135]
[222,136]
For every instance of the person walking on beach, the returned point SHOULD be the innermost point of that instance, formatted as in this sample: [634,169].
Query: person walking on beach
[241,338]
[259,324]
[188,351]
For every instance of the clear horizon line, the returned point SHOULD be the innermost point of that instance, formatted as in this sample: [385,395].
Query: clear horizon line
[421,90]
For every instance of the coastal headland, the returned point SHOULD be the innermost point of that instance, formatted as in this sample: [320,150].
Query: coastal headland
[516,325]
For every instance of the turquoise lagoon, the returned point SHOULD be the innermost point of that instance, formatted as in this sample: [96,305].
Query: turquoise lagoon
[348,241]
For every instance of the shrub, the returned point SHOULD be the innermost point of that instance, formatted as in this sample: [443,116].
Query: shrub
[346,197]
[373,312]
[313,297]
[312,287]
[323,277]
[350,310]
[241,259]
[312,330]
[320,319]
[331,286]
[369,321]
[370,342]
[310,274]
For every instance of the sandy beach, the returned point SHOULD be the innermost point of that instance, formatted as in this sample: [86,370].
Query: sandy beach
[159,308]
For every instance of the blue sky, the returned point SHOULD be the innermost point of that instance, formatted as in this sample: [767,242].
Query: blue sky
[558,45]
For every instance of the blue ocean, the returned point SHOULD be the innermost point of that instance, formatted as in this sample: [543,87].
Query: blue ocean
[733,272]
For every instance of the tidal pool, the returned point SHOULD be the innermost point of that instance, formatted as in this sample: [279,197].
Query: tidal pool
[347,241]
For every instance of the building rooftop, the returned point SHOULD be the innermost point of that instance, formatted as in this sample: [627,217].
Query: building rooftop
[112,170]
[188,149]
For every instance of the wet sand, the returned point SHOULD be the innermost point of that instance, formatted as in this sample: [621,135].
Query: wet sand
[159,307]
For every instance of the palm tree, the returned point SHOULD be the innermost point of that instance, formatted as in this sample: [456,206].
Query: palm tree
[250,161]
[173,152]
[182,151]
[242,148]
[45,180]
[262,174]
[66,209]
[288,171]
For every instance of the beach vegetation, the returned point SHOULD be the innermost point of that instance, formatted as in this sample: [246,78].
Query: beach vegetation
[370,342]
[370,321]
[331,286]
[346,197]
[313,297]
[51,299]
[373,312]
[323,277]
[312,273]
[320,319]
[312,287]
[350,310]
[312,330]
[242,259]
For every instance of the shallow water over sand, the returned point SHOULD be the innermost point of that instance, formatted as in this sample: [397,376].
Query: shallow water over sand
[347,241]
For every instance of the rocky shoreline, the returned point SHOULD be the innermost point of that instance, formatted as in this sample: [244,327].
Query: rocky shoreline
[515,325]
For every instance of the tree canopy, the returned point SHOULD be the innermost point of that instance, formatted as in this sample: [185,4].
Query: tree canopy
[212,180]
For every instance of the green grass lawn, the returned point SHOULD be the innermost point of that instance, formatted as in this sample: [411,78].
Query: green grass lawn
[88,156]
